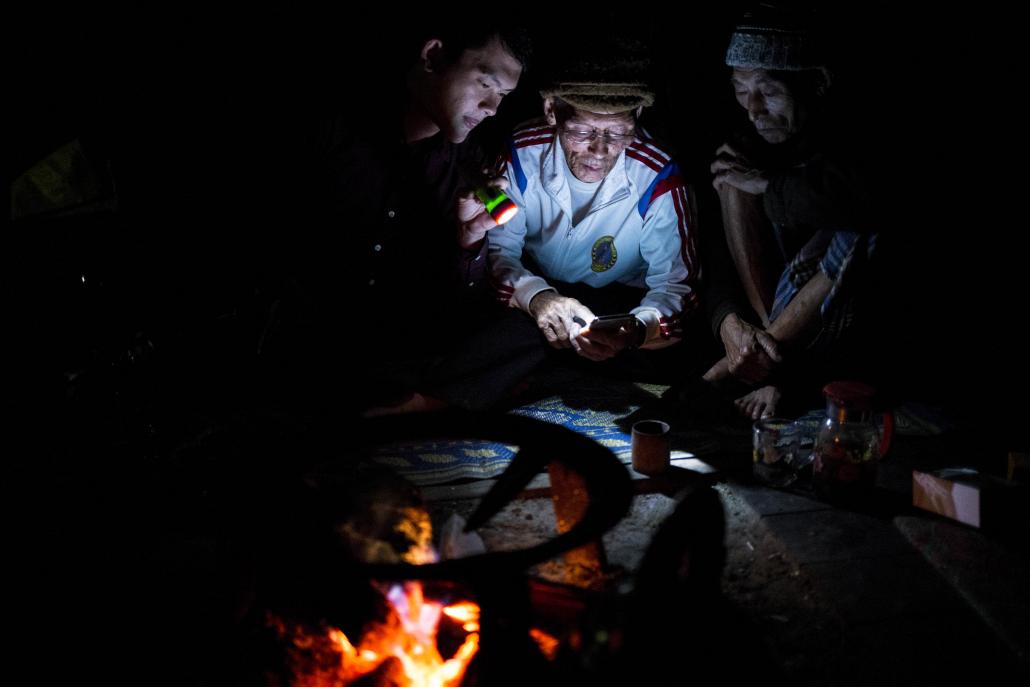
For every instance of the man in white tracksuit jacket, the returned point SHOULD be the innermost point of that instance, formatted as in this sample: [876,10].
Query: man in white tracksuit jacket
[600,205]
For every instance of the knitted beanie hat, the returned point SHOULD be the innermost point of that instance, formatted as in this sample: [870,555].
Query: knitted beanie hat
[611,80]
[770,37]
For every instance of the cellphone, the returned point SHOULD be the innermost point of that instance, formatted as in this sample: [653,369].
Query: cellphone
[614,323]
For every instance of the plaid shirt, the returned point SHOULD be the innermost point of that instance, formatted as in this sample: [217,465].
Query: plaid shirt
[840,255]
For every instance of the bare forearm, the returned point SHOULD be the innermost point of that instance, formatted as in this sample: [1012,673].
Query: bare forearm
[747,230]
[801,319]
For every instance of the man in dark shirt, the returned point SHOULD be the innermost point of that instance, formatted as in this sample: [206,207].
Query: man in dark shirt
[391,261]
[796,214]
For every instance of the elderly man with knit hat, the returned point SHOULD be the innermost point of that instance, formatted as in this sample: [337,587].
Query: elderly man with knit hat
[605,225]
[796,216]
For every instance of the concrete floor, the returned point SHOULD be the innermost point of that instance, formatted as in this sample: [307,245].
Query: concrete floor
[833,597]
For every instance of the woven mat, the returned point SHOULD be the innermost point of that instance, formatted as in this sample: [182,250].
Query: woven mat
[592,407]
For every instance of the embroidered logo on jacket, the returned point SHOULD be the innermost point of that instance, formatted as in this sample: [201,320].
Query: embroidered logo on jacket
[603,255]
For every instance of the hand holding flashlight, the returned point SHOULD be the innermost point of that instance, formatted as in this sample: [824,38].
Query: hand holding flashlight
[497,203]
[481,210]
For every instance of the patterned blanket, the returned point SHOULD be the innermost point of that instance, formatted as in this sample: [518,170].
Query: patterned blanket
[590,407]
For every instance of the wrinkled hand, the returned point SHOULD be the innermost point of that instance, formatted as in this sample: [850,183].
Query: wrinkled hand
[602,344]
[557,316]
[473,219]
[731,168]
[717,372]
[751,352]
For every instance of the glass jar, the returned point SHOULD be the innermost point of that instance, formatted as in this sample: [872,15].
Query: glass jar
[849,445]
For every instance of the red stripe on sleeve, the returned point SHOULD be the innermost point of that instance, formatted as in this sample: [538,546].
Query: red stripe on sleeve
[646,160]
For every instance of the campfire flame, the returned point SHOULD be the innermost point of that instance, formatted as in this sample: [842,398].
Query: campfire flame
[466,613]
[548,643]
[402,648]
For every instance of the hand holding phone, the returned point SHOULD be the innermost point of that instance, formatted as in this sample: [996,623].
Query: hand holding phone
[615,332]
[613,323]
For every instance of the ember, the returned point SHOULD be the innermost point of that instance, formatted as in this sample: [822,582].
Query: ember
[403,647]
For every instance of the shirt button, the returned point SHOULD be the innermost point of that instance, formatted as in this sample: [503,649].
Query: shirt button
[379,247]
[390,214]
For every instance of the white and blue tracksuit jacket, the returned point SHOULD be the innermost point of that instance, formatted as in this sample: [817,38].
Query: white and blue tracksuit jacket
[637,232]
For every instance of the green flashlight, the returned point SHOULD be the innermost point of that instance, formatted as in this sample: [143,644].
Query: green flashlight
[497,203]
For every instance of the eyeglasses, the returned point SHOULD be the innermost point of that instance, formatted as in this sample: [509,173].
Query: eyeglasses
[584,135]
